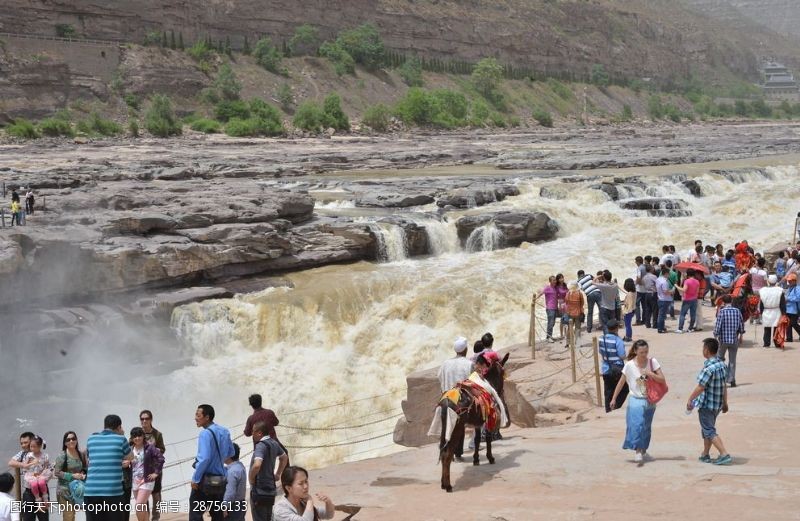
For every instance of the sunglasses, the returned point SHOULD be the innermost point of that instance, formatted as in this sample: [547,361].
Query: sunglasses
[145,419]
[72,439]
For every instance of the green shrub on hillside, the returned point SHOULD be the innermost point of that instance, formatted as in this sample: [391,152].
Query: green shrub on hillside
[243,127]
[56,127]
[22,128]
[376,117]
[308,117]
[415,107]
[131,100]
[305,41]
[332,114]
[441,108]
[364,44]
[227,84]
[201,51]
[479,113]
[269,116]
[655,107]
[740,108]
[760,109]
[285,96]
[514,121]
[133,128]
[561,90]
[543,117]
[269,57]
[487,77]
[66,31]
[497,120]
[411,72]
[229,109]
[599,76]
[206,126]
[97,125]
[343,63]
[160,119]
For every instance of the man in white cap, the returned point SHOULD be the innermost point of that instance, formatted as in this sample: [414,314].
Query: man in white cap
[773,306]
[455,370]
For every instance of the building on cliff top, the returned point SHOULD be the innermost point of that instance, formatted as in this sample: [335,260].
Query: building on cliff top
[779,83]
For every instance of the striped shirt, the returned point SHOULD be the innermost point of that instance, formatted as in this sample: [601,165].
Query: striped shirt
[729,325]
[586,285]
[712,378]
[612,352]
[105,450]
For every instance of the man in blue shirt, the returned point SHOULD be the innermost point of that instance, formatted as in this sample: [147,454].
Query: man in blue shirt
[792,306]
[611,349]
[214,449]
[107,451]
[711,394]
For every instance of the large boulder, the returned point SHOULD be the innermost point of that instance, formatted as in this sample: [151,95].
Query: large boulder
[516,227]
[659,207]
[140,224]
[393,200]
[416,237]
[476,196]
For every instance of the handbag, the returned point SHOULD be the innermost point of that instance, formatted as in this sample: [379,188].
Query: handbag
[655,390]
[212,484]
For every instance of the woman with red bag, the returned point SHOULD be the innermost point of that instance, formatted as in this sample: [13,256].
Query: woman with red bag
[638,371]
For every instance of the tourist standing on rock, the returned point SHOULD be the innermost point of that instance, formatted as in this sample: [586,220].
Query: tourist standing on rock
[792,307]
[16,218]
[574,305]
[455,370]
[665,299]
[263,474]
[297,504]
[611,350]
[29,200]
[260,415]
[14,195]
[773,307]
[628,308]
[214,448]
[8,512]
[729,331]
[609,292]
[690,291]
[107,451]
[638,368]
[650,299]
[551,305]
[154,437]
[710,396]
[236,489]
[70,466]
[641,292]
[586,283]
[147,464]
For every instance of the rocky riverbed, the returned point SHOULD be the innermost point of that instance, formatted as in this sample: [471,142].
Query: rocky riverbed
[141,226]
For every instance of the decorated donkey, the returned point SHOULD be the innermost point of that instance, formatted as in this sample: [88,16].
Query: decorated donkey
[474,402]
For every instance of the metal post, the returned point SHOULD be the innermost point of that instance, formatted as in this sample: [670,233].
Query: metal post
[571,343]
[44,203]
[3,216]
[596,371]
[532,331]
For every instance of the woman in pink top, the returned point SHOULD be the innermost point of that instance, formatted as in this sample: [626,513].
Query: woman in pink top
[561,302]
[690,291]
[551,305]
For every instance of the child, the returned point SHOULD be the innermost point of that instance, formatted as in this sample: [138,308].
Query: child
[7,510]
[37,469]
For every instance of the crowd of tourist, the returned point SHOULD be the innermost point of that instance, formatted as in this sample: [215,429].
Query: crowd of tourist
[116,476]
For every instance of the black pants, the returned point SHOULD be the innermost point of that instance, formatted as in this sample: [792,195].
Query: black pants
[31,510]
[609,384]
[261,507]
[767,336]
[792,325]
[650,310]
[200,503]
[107,508]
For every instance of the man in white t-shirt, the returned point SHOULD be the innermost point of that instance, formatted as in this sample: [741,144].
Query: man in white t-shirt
[6,510]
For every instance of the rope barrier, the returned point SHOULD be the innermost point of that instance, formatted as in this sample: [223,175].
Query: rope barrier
[579,380]
[341,444]
[330,428]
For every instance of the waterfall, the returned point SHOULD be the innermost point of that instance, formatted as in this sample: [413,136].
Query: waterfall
[442,235]
[391,242]
[485,238]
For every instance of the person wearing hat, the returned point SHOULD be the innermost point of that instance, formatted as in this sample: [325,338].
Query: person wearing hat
[611,349]
[451,372]
[792,306]
[773,306]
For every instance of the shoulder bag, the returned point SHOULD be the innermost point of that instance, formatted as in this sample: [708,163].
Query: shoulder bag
[212,484]
[655,390]
[614,370]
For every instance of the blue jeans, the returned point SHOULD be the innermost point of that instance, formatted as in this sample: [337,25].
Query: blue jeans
[551,321]
[593,300]
[691,307]
[708,423]
[663,309]
[628,328]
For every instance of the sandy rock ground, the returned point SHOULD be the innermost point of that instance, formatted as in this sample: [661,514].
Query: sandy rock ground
[579,471]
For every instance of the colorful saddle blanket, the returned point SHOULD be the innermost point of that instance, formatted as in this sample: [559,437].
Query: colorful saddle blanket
[466,396]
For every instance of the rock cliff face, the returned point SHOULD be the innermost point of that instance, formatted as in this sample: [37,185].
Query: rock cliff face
[633,38]
[781,16]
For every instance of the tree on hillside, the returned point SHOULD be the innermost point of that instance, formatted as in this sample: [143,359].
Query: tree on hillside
[227,84]
[305,41]
[268,56]
[160,119]
[486,76]
[364,44]
[599,75]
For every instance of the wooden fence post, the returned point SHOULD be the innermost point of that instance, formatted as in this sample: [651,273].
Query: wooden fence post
[17,485]
[571,344]
[532,330]
[597,371]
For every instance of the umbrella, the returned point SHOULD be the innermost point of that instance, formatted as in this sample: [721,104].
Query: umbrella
[683,266]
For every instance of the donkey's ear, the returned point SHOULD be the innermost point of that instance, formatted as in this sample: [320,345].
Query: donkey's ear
[505,359]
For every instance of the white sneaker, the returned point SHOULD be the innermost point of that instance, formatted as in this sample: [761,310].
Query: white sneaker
[550,339]
[679,331]
[637,458]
